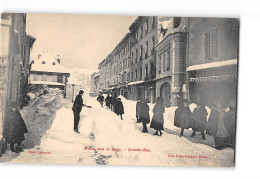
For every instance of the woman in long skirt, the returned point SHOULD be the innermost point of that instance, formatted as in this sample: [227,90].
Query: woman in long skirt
[158,120]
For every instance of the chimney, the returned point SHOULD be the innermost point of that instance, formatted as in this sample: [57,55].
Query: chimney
[39,56]
[58,58]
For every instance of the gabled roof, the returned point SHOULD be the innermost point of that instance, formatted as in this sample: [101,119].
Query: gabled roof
[48,63]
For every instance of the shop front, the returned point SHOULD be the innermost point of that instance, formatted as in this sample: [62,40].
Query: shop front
[215,82]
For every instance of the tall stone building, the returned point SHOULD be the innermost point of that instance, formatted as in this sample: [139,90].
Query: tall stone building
[143,64]
[171,59]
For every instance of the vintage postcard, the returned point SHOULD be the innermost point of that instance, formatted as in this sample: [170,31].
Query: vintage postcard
[118,90]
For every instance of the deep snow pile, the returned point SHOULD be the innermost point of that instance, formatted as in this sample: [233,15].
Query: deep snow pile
[105,139]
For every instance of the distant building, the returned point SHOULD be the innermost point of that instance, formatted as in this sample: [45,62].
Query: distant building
[94,84]
[47,70]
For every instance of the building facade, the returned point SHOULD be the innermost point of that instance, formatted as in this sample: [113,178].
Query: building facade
[171,59]
[143,64]
[175,58]
[212,59]
[14,62]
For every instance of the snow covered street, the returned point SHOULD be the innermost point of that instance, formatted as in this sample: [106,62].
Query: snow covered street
[105,139]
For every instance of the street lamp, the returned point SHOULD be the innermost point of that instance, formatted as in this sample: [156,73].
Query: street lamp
[73,92]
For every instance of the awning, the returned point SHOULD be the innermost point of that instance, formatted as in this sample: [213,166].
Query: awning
[135,83]
[213,78]
[46,83]
[212,65]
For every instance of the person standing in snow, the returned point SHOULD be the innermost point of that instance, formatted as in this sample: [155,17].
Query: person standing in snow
[108,101]
[77,107]
[14,128]
[182,116]
[216,126]
[113,102]
[199,120]
[158,120]
[138,110]
[144,116]
[119,108]
[230,122]
[100,99]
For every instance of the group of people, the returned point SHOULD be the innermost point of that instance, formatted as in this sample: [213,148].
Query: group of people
[220,124]
[142,115]
[113,103]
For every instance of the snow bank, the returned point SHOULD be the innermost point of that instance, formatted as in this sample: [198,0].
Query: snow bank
[105,137]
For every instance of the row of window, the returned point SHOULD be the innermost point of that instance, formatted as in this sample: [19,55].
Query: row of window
[144,29]
[164,62]
[142,52]
[50,78]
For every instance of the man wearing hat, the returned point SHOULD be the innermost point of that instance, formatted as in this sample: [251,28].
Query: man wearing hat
[14,128]
[77,107]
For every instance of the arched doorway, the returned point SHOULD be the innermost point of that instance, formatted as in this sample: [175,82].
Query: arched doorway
[165,94]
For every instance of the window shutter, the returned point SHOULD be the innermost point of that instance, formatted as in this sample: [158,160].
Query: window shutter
[206,46]
[213,44]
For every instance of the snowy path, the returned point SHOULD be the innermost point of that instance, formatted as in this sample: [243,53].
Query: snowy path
[105,139]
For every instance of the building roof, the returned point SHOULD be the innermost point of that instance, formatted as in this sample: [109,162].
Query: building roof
[212,65]
[48,63]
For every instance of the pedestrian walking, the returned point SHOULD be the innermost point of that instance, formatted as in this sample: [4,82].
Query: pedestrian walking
[14,129]
[77,107]
[158,119]
[108,101]
[113,102]
[119,108]
[100,99]
[144,116]
[182,116]
[199,120]
[138,110]
[216,126]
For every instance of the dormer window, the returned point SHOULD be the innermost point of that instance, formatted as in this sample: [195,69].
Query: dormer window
[43,62]
[53,63]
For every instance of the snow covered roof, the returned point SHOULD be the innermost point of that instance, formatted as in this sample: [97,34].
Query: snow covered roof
[212,65]
[135,83]
[48,63]
[46,83]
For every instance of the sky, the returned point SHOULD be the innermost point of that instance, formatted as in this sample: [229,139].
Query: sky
[82,41]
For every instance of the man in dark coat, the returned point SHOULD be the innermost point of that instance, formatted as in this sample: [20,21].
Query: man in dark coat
[108,101]
[14,128]
[77,107]
[138,110]
[119,108]
[144,116]
[199,120]
[182,116]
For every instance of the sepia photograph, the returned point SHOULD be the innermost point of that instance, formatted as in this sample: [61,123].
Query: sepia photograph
[118,90]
